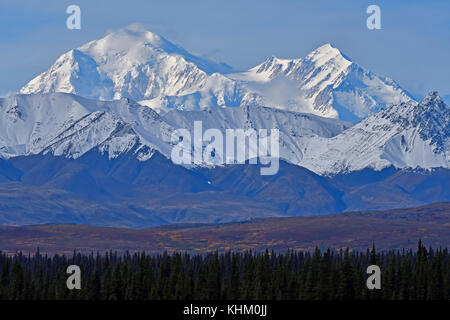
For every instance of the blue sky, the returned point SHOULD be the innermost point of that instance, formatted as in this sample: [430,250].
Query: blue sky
[413,46]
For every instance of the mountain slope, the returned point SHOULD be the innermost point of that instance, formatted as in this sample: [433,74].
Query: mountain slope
[123,191]
[406,135]
[325,83]
[70,126]
[129,63]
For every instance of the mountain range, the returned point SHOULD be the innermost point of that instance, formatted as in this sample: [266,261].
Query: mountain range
[409,135]
[89,140]
[143,66]
[126,192]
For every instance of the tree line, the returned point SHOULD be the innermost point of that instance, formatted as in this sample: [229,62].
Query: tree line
[421,274]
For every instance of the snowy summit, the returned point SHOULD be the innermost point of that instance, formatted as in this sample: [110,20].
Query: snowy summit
[143,66]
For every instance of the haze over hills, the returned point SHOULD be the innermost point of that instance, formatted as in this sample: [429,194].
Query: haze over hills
[389,229]
[143,66]
[126,192]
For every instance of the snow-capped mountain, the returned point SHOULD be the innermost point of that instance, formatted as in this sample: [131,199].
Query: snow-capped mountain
[303,98]
[413,135]
[145,67]
[325,82]
[406,135]
[68,125]
[137,64]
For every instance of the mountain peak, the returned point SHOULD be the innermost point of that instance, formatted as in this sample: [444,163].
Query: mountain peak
[139,33]
[142,65]
[142,45]
[327,52]
[433,112]
[129,39]
[274,63]
[432,98]
[130,62]
[326,47]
